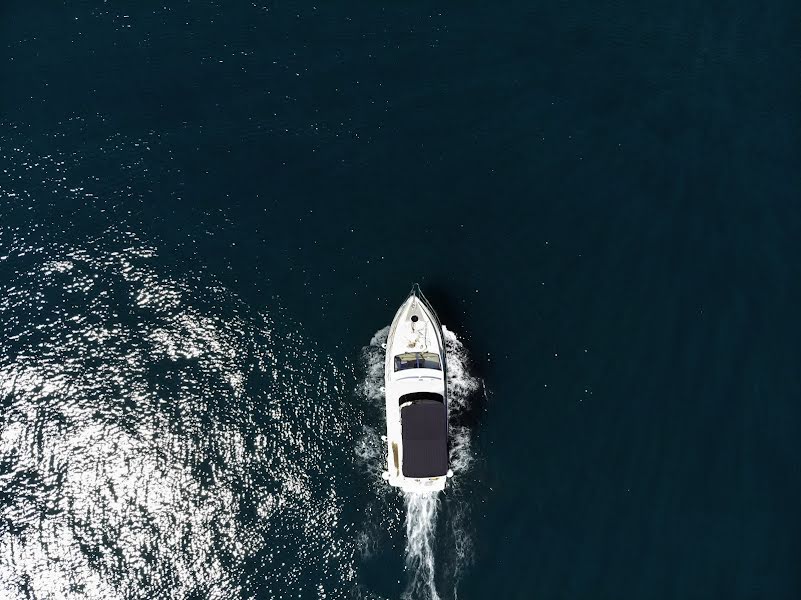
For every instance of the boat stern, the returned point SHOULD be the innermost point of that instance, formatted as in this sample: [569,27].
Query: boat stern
[417,486]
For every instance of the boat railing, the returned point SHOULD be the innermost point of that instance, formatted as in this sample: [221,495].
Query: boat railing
[440,333]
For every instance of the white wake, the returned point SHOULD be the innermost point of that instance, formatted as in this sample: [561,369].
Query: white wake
[421,527]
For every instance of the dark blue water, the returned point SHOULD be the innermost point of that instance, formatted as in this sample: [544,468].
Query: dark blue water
[209,210]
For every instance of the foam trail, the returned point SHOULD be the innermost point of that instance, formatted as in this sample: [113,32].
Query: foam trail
[422,511]
[421,525]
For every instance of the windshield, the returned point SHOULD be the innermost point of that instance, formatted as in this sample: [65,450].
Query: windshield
[417,360]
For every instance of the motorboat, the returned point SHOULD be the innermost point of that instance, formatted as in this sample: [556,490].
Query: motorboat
[416,398]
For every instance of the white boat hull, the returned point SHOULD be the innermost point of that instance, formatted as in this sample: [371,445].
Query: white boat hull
[416,401]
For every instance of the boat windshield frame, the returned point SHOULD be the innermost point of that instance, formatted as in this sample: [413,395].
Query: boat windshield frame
[417,360]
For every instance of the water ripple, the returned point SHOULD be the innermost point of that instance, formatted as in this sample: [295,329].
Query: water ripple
[160,439]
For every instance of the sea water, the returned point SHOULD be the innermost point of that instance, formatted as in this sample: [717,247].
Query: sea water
[208,208]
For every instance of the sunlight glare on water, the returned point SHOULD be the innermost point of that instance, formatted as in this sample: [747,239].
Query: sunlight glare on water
[158,434]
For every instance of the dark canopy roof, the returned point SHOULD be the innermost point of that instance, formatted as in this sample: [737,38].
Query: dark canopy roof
[424,427]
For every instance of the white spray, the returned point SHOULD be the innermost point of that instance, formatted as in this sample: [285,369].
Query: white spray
[421,528]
